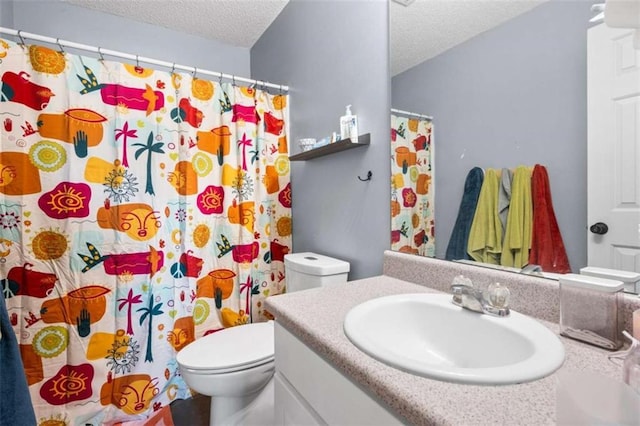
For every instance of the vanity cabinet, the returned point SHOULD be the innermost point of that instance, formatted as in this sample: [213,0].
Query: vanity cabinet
[309,391]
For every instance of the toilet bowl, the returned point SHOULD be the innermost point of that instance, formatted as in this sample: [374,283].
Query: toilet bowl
[235,366]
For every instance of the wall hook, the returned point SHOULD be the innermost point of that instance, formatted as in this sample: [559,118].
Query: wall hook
[369,174]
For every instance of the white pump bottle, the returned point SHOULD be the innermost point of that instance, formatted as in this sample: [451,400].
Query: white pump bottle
[349,126]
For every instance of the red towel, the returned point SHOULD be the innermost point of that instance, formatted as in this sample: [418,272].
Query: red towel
[547,247]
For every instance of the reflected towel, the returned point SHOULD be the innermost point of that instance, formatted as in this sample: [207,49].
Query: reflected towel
[517,238]
[15,401]
[485,236]
[504,197]
[457,248]
[547,247]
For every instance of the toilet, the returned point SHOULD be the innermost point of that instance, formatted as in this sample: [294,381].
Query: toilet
[235,366]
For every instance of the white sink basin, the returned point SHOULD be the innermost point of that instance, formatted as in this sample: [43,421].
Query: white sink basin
[427,335]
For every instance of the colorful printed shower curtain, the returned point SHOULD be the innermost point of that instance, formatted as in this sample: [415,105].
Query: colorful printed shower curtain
[139,210]
[412,214]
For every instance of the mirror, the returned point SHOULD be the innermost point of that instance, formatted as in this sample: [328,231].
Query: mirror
[513,95]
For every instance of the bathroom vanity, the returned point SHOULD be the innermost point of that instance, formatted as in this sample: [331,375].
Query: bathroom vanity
[322,378]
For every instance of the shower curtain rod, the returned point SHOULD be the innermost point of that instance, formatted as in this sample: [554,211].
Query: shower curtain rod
[399,111]
[100,51]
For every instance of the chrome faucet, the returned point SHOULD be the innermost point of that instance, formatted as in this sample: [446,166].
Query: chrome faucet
[473,299]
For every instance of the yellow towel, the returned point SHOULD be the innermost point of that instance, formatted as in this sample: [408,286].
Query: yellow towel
[517,236]
[485,236]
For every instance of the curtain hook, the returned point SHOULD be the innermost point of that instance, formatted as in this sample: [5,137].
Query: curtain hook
[195,70]
[100,54]
[281,90]
[220,79]
[173,68]
[60,45]
[233,80]
[22,43]
[137,61]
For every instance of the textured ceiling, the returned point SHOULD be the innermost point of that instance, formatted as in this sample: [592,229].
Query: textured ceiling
[418,32]
[427,28]
[235,22]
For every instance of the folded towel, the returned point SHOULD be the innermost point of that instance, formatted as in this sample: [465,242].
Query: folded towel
[485,236]
[517,238]
[457,247]
[15,402]
[547,247]
[504,197]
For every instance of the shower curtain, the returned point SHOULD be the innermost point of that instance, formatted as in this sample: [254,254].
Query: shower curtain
[412,214]
[139,210]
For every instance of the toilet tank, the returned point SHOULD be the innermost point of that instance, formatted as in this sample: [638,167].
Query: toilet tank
[308,270]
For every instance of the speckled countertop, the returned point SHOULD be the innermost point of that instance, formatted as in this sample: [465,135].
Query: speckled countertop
[315,316]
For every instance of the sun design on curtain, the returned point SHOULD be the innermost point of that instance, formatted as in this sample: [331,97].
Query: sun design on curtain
[139,210]
[412,214]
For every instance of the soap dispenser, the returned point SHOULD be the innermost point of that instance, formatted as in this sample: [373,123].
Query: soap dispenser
[349,126]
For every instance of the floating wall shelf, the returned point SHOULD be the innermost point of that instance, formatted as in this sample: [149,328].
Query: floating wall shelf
[363,140]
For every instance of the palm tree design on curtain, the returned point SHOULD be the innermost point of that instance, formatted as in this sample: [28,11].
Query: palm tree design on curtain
[151,148]
[244,143]
[125,133]
[150,311]
[247,286]
[129,301]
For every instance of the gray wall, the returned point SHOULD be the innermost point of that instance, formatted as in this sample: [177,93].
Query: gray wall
[514,95]
[334,53]
[69,22]
[6,13]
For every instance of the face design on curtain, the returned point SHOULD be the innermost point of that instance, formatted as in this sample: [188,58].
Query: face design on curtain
[412,213]
[139,210]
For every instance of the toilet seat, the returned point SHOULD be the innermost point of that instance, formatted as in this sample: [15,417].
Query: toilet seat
[232,349]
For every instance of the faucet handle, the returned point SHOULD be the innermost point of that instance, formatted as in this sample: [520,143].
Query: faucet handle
[498,295]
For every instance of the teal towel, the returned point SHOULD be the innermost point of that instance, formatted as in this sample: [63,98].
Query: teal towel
[457,248]
[15,401]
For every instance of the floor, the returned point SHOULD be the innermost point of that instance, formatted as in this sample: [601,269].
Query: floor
[191,412]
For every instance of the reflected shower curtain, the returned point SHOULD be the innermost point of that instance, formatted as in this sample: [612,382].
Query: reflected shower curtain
[412,214]
[140,210]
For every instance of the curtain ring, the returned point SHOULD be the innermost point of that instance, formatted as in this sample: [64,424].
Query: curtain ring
[100,54]
[195,70]
[233,80]
[220,79]
[60,46]
[22,43]
[137,61]
[173,68]
[281,90]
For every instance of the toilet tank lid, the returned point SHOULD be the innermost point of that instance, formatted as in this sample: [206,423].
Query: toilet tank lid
[315,264]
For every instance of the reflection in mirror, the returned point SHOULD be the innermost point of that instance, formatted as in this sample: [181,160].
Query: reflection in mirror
[412,218]
[514,95]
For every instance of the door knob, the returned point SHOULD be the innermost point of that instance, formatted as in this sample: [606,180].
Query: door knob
[599,228]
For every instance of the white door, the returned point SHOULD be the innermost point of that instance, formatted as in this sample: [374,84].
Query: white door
[613,75]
